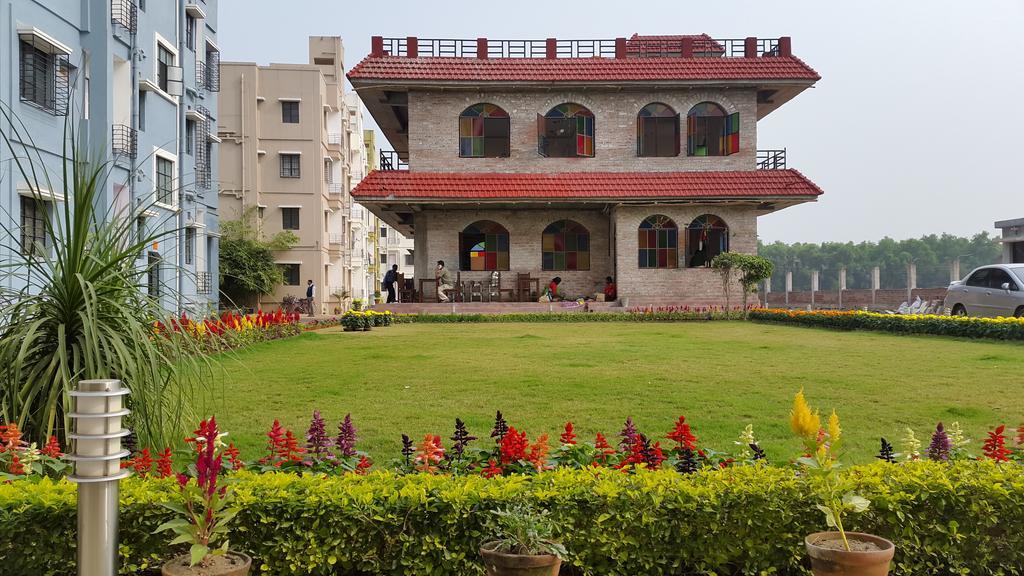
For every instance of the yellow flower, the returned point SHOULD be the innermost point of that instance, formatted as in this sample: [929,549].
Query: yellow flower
[833,428]
[804,423]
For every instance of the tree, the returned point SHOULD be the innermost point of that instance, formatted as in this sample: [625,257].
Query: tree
[728,265]
[747,269]
[247,267]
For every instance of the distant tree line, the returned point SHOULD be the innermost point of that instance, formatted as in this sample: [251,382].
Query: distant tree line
[932,254]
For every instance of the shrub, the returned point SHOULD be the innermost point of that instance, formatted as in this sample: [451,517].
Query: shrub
[997,328]
[944,518]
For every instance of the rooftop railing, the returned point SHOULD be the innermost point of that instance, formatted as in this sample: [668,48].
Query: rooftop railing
[771,159]
[642,47]
[390,160]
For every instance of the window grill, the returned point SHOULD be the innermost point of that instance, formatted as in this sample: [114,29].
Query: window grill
[125,14]
[45,77]
[33,226]
[124,140]
[204,282]
[201,75]
[211,81]
[204,172]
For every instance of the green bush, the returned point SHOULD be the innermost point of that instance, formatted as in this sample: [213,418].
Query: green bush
[944,518]
[965,327]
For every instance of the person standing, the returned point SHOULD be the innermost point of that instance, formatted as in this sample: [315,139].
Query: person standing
[443,278]
[310,295]
[389,283]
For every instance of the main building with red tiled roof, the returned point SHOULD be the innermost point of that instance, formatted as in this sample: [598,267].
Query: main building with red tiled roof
[634,158]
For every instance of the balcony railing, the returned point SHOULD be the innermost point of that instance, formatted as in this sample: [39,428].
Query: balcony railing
[336,238]
[124,141]
[771,159]
[334,189]
[204,282]
[390,160]
[689,47]
[357,213]
[125,14]
[335,139]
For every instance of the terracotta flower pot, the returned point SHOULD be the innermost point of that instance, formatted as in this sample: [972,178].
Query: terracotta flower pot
[230,564]
[501,564]
[830,558]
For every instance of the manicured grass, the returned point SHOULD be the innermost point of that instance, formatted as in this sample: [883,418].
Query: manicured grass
[416,379]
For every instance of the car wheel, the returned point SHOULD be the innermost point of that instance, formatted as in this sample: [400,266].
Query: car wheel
[1019,313]
[959,310]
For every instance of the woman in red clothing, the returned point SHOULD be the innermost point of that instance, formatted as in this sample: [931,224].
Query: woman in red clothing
[552,291]
[610,291]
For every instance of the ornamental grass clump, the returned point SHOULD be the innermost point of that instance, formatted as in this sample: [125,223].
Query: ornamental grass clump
[821,463]
[524,530]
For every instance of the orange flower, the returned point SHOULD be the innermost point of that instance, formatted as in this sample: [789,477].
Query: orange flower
[538,455]
[430,453]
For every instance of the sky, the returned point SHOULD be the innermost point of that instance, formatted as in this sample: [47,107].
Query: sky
[911,130]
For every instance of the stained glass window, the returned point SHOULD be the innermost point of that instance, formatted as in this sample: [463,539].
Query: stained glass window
[483,245]
[657,131]
[712,132]
[706,237]
[565,245]
[566,131]
[658,243]
[483,132]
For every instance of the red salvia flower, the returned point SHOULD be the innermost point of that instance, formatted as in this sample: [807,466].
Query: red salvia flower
[513,446]
[163,464]
[568,437]
[16,467]
[52,448]
[289,449]
[682,435]
[604,450]
[492,469]
[142,463]
[232,452]
[995,445]
[363,465]
[275,439]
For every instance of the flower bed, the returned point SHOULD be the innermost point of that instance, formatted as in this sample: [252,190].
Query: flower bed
[968,327]
[364,320]
[947,519]
[232,330]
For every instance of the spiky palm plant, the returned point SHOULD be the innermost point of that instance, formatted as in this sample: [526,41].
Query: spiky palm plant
[81,312]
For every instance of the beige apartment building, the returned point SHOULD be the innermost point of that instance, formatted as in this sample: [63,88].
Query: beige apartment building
[286,158]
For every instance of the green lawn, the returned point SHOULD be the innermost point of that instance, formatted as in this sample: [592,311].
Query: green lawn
[416,379]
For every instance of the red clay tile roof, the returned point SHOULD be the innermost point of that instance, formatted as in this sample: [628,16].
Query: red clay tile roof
[585,185]
[581,69]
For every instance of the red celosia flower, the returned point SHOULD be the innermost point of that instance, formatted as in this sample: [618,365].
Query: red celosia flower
[52,448]
[142,463]
[16,467]
[513,446]
[232,453]
[363,465]
[430,453]
[492,470]
[163,464]
[682,435]
[538,455]
[995,445]
[568,437]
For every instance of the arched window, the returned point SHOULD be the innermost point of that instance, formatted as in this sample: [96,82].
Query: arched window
[658,243]
[483,132]
[566,131]
[483,245]
[657,131]
[565,245]
[712,132]
[706,237]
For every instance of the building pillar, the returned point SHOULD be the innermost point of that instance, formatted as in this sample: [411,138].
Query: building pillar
[911,280]
[789,284]
[814,285]
[481,48]
[842,284]
[954,270]
[876,283]
[750,47]
[412,47]
[551,48]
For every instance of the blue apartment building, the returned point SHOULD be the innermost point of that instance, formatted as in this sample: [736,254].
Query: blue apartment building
[139,79]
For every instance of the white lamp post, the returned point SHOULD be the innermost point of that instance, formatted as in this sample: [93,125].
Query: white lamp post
[97,410]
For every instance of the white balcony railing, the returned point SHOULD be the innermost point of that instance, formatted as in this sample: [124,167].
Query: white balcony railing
[335,139]
[334,189]
[336,238]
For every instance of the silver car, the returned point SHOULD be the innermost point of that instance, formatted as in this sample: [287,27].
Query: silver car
[996,290]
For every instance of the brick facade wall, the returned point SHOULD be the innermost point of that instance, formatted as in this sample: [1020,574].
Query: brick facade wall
[434,130]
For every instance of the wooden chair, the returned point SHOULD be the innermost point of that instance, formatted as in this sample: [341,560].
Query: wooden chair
[523,287]
[406,289]
[476,290]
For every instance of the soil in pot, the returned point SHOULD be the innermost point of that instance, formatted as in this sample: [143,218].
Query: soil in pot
[230,564]
[500,564]
[868,555]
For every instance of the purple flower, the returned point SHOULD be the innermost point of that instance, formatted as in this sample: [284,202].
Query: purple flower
[500,427]
[940,446]
[407,448]
[628,435]
[316,438]
[460,439]
[346,441]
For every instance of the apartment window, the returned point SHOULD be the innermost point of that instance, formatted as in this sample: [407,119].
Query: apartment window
[190,32]
[165,60]
[190,137]
[290,112]
[153,274]
[291,274]
[140,229]
[164,181]
[712,132]
[34,213]
[190,245]
[260,211]
[328,171]
[45,77]
[142,111]
[410,260]
[483,132]
[290,218]
[290,166]
[657,131]
[383,232]
[384,258]
[566,131]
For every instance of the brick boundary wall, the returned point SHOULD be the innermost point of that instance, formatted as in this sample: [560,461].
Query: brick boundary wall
[888,299]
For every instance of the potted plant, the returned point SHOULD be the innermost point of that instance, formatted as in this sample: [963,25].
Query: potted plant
[376,297]
[357,304]
[522,543]
[205,510]
[838,552]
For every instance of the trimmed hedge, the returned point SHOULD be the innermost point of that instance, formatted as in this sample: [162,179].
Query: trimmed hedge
[956,518]
[961,326]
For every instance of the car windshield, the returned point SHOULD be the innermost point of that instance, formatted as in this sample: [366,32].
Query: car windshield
[1020,273]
